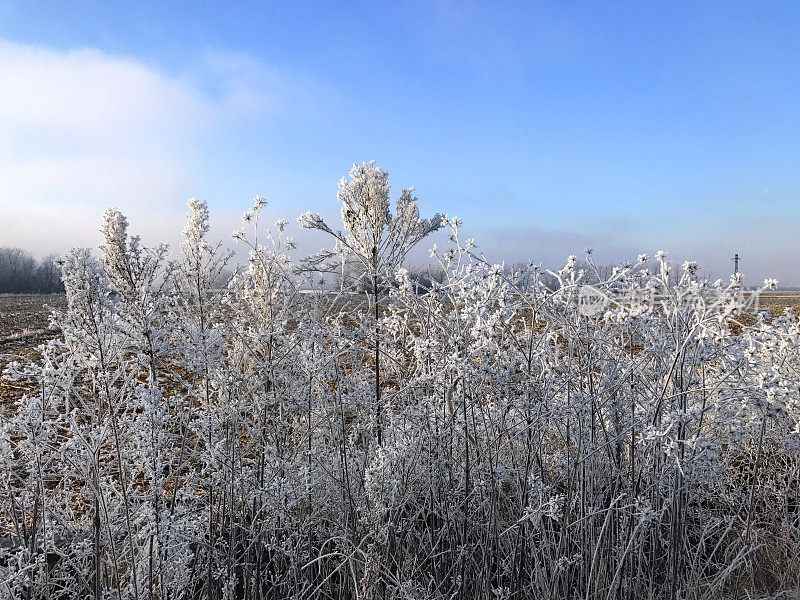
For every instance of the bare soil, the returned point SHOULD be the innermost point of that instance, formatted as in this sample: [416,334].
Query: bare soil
[24,325]
[777,302]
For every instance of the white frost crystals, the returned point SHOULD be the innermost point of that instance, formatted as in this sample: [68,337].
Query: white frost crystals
[588,432]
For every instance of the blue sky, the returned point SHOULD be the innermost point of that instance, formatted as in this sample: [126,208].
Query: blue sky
[547,127]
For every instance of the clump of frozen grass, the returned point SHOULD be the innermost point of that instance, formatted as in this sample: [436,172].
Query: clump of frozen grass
[584,433]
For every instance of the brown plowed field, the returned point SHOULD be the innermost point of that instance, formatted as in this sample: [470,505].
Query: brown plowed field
[24,324]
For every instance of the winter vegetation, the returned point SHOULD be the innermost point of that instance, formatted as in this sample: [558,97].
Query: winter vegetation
[465,431]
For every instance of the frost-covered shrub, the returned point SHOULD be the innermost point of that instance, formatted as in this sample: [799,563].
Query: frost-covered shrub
[583,433]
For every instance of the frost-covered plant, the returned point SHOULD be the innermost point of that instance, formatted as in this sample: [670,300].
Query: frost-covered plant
[374,242]
[373,237]
[580,433]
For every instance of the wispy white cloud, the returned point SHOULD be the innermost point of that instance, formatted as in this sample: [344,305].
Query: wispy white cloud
[82,129]
[92,97]
[249,86]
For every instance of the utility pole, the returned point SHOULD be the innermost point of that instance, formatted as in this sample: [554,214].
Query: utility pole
[735,262]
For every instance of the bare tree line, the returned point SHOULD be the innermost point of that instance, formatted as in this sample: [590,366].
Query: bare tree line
[21,273]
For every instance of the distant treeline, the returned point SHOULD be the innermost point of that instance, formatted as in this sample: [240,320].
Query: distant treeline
[21,273]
